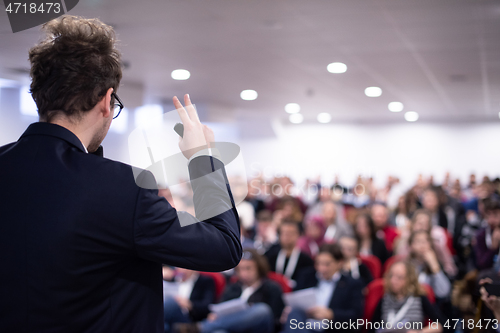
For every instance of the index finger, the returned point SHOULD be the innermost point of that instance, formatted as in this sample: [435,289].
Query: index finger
[181,111]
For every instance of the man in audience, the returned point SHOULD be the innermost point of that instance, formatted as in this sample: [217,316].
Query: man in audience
[352,264]
[194,293]
[335,228]
[339,297]
[288,259]
[263,296]
[267,235]
[380,217]
[487,240]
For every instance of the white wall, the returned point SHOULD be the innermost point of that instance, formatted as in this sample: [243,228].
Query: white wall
[404,150]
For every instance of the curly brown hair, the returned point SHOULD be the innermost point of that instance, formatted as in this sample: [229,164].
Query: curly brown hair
[412,286]
[73,66]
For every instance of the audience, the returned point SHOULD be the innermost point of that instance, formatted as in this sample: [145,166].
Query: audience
[430,201]
[449,236]
[263,295]
[266,233]
[195,293]
[424,259]
[313,237]
[338,296]
[404,302]
[421,221]
[380,217]
[352,264]
[488,238]
[368,242]
[335,228]
[287,259]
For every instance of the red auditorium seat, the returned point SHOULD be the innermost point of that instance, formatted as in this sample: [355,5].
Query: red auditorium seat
[220,283]
[375,291]
[373,264]
[281,280]
[450,243]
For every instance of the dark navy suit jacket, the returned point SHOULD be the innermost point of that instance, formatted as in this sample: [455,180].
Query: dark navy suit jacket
[347,301]
[82,246]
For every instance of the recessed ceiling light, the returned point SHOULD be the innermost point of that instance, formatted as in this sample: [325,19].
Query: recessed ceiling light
[324,117]
[373,91]
[248,95]
[395,106]
[296,118]
[292,108]
[411,116]
[336,67]
[180,74]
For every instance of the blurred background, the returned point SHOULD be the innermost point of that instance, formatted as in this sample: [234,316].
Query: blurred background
[307,89]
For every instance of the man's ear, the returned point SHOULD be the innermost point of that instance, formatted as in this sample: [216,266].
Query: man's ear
[106,108]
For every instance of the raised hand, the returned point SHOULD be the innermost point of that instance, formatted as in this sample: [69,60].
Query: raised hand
[196,135]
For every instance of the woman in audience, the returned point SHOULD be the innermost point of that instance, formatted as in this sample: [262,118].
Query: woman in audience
[421,221]
[352,264]
[263,296]
[404,302]
[430,201]
[400,213]
[312,239]
[368,242]
[429,271]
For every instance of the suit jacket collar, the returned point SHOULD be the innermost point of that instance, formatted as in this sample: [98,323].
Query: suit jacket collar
[58,131]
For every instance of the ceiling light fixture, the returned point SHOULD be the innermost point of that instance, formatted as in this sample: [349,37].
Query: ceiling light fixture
[336,67]
[411,116]
[292,108]
[373,91]
[248,95]
[180,74]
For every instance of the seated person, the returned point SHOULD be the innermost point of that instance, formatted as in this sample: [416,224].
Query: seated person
[369,243]
[352,264]
[195,293]
[385,231]
[487,239]
[287,258]
[313,237]
[264,297]
[339,297]
[404,301]
[421,220]
[424,259]
[491,301]
[266,233]
[335,227]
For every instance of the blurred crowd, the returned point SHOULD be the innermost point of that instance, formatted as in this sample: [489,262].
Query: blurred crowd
[403,255]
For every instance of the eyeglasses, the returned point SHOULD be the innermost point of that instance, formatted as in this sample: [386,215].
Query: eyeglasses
[118,106]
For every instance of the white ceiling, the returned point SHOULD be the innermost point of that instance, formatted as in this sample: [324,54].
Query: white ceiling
[440,58]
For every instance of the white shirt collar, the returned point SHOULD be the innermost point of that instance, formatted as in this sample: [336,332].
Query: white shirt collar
[335,278]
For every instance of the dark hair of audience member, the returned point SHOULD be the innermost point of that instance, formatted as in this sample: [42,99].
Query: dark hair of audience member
[294,223]
[333,249]
[259,260]
[369,223]
[264,216]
